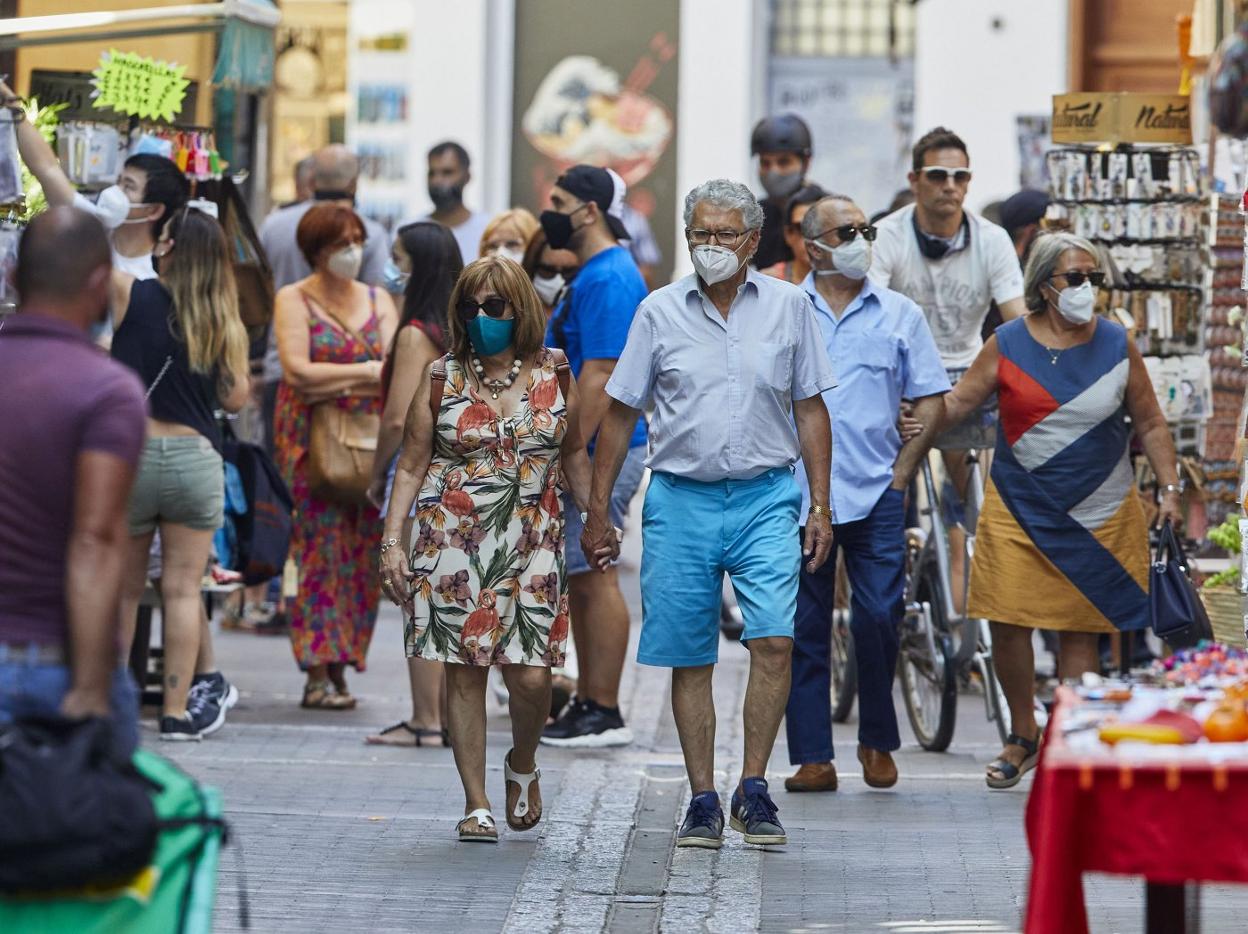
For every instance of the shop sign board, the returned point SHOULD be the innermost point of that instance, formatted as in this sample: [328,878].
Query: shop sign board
[1122,118]
[74,90]
[140,86]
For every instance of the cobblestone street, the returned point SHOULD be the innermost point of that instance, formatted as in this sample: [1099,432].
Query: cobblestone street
[337,835]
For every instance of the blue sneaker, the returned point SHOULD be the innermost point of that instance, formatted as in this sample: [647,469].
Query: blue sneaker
[704,823]
[754,814]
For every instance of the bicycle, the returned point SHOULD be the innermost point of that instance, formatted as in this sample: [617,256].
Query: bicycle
[939,644]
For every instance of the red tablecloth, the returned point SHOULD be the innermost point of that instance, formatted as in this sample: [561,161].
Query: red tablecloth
[1099,813]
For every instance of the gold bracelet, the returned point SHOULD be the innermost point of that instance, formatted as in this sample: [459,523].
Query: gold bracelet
[820,511]
[388,544]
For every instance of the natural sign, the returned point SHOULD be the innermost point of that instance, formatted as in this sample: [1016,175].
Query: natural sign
[1122,118]
[141,87]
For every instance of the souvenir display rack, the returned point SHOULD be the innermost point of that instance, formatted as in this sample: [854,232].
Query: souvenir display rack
[1145,206]
[1224,348]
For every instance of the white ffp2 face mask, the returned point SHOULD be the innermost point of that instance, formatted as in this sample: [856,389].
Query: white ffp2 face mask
[346,263]
[549,287]
[851,260]
[715,263]
[1077,304]
[112,207]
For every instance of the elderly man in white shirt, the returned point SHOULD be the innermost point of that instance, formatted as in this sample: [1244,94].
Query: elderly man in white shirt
[735,365]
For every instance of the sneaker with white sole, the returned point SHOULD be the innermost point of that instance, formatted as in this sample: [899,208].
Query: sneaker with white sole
[210,697]
[179,730]
[587,725]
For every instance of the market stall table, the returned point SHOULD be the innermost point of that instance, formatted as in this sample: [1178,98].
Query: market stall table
[1169,817]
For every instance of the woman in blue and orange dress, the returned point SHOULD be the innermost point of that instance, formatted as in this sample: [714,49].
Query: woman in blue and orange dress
[485,581]
[332,332]
[1061,543]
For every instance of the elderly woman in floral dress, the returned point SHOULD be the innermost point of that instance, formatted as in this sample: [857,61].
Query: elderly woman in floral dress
[485,582]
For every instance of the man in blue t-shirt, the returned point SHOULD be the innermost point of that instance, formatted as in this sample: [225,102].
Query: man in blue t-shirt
[591,325]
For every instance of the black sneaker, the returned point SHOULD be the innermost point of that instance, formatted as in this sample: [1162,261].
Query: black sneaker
[704,823]
[179,730]
[209,699]
[586,725]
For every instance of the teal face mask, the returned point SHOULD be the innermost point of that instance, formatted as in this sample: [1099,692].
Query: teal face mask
[490,335]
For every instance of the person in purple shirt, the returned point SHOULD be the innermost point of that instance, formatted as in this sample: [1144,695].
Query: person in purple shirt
[71,432]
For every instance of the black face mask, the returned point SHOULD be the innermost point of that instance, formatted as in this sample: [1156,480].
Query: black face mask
[333,195]
[446,196]
[936,247]
[558,228]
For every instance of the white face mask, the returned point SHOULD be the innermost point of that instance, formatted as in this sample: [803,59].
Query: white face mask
[851,260]
[549,287]
[113,208]
[1077,304]
[715,263]
[516,256]
[346,263]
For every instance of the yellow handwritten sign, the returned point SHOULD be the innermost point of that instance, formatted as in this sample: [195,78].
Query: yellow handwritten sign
[143,87]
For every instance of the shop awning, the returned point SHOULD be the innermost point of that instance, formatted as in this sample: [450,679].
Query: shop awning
[245,59]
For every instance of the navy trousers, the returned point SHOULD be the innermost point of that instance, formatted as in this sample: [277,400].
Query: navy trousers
[875,556]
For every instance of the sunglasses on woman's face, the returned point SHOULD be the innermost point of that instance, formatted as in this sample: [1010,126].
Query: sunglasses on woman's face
[494,307]
[1074,278]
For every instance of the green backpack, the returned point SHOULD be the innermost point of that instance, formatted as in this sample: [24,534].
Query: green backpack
[173,895]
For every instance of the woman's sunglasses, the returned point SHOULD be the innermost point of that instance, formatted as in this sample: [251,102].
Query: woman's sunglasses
[1076,278]
[467,308]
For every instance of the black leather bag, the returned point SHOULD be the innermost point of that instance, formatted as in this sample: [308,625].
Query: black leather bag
[264,530]
[72,811]
[1177,613]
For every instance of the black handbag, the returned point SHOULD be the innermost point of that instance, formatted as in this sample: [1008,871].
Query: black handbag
[73,812]
[264,531]
[1178,615]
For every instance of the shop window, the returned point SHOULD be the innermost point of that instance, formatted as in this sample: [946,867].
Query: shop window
[842,28]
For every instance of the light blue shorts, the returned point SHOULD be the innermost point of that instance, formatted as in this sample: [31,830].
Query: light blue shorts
[692,534]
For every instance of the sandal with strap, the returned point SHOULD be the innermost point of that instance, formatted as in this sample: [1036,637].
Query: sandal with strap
[487,831]
[1012,774]
[319,695]
[417,735]
[521,810]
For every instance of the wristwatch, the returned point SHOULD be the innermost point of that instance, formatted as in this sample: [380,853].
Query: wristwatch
[1172,488]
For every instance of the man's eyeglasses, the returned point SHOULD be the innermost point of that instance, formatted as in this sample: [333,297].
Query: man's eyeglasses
[847,232]
[1074,279]
[938,174]
[724,237]
[467,308]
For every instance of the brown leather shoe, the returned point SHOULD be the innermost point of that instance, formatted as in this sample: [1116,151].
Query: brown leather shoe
[878,768]
[813,776]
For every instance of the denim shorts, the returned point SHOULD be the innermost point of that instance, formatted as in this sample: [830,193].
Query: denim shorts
[622,494]
[31,688]
[692,534]
[181,480]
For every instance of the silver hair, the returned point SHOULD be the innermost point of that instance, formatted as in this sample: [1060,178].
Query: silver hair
[811,223]
[1046,250]
[727,194]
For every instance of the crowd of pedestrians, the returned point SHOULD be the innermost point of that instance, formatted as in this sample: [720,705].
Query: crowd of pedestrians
[464,413]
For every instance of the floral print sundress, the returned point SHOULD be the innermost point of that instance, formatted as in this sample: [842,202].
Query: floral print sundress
[487,546]
[334,546]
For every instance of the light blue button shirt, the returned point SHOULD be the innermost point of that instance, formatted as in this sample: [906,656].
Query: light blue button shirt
[883,352]
[723,389]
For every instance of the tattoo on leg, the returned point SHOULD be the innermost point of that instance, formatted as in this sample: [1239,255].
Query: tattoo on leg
[172,681]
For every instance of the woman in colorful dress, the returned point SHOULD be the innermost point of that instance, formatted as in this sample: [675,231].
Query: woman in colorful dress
[1061,543]
[485,581]
[331,335]
[424,264]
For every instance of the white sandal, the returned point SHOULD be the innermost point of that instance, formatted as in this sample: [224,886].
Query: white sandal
[485,821]
[521,809]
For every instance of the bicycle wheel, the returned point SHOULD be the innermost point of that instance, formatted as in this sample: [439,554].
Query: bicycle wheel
[994,698]
[844,667]
[929,682]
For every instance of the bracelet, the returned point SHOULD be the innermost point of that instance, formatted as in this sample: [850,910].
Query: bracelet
[1172,488]
[388,544]
[820,511]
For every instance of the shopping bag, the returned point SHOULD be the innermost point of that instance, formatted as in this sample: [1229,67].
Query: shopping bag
[1178,615]
[173,894]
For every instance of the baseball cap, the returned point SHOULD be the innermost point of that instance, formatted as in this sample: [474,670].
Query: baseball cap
[1025,207]
[603,187]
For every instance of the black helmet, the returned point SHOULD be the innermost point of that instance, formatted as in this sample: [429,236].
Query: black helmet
[782,133]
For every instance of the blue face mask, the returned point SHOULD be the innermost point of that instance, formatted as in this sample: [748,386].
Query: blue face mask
[490,335]
[393,278]
[101,329]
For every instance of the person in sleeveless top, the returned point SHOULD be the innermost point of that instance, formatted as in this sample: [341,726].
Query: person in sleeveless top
[425,263]
[1061,516]
[331,336]
[182,334]
[485,582]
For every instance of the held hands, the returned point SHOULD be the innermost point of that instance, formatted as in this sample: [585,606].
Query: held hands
[818,542]
[909,426]
[396,577]
[601,542]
